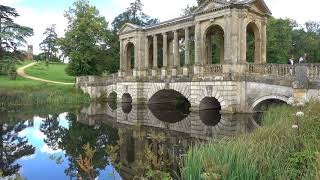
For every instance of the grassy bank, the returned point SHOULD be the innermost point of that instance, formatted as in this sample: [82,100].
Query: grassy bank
[24,91]
[275,151]
[53,72]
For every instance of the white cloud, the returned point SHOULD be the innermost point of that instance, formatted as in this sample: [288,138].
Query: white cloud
[10,2]
[46,149]
[26,158]
[39,21]
[164,10]
[301,11]
[37,134]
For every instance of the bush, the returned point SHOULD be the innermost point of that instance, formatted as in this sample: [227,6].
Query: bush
[12,72]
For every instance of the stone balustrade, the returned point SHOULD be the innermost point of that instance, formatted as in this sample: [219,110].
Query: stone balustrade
[284,70]
[275,70]
[213,69]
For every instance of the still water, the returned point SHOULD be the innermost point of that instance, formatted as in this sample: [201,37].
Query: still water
[123,141]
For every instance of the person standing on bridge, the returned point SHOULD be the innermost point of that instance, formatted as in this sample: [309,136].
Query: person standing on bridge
[303,58]
[291,61]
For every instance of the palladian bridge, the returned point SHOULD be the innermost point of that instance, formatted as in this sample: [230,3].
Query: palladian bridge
[203,56]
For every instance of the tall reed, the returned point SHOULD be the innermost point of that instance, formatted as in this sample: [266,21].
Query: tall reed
[271,152]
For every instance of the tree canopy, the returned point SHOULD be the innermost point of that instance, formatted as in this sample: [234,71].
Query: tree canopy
[12,35]
[86,39]
[49,44]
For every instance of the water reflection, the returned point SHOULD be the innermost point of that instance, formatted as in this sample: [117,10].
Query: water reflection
[128,140]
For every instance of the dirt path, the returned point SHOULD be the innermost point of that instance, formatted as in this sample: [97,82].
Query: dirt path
[21,72]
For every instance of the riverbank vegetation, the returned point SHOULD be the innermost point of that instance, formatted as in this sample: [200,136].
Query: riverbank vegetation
[284,148]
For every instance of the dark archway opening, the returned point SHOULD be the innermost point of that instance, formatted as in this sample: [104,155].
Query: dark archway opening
[112,100]
[126,103]
[130,55]
[263,106]
[209,112]
[169,106]
[252,40]
[214,45]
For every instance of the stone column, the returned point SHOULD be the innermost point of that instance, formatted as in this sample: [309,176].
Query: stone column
[187,47]
[165,55]
[176,57]
[146,53]
[121,59]
[197,42]
[263,59]
[187,52]
[155,55]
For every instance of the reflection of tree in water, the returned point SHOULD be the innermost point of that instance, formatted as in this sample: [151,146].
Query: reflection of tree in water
[78,135]
[12,147]
[50,127]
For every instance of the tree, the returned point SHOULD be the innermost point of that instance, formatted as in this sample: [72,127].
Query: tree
[189,9]
[134,14]
[12,35]
[49,44]
[86,40]
[12,147]
[279,40]
[77,135]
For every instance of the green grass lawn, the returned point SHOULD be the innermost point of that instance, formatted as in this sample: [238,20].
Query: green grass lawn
[54,72]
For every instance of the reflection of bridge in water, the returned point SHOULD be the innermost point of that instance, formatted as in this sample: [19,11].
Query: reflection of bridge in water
[201,125]
[137,123]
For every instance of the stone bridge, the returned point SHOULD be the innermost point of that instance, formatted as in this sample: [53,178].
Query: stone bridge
[207,54]
[234,92]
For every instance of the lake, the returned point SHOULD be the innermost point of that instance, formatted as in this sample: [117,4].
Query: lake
[108,141]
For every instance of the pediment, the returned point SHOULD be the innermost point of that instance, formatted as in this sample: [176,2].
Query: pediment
[211,4]
[259,6]
[128,27]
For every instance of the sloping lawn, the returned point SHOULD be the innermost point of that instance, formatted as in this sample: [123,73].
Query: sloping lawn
[53,72]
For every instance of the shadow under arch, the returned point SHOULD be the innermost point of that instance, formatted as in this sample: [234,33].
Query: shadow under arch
[112,101]
[209,111]
[169,106]
[264,105]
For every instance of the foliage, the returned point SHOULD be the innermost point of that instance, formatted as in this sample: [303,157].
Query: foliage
[271,152]
[12,72]
[189,9]
[12,35]
[74,138]
[49,44]
[134,14]
[86,40]
[28,92]
[12,147]
[279,40]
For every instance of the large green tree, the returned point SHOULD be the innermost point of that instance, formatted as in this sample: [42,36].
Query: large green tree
[49,44]
[306,40]
[12,35]
[279,40]
[86,40]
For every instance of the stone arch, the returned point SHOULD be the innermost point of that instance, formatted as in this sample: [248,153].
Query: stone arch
[130,55]
[211,92]
[258,101]
[253,29]
[210,42]
[181,88]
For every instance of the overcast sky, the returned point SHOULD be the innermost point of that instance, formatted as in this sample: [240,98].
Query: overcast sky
[39,14]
